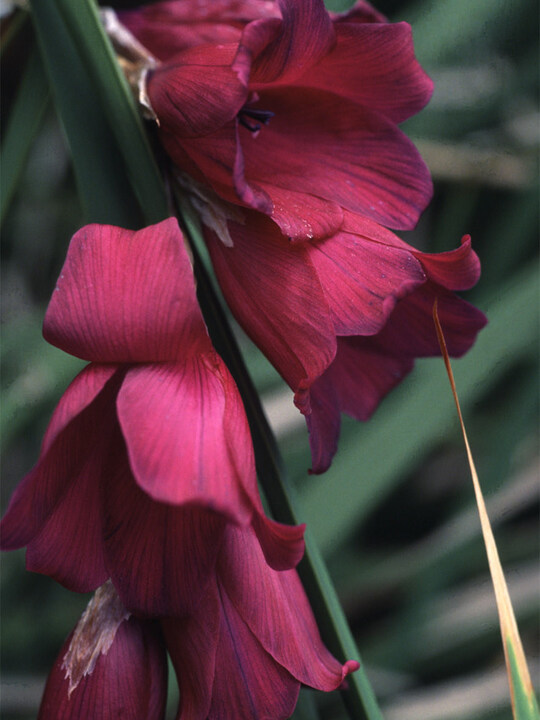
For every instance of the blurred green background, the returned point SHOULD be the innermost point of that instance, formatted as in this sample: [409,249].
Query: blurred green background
[395,515]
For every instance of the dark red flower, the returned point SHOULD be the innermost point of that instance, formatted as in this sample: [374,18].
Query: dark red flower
[148,455]
[298,119]
[251,642]
[111,666]
[343,318]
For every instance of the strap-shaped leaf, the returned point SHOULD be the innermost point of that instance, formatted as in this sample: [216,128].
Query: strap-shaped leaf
[82,20]
[24,122]
[524,705]
[100,172]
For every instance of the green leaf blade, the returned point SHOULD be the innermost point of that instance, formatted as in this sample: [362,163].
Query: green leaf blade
[24,122]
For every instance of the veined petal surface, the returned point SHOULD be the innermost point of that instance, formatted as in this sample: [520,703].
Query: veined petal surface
[374,66]
[192,644]
[247,678]
[184,441]
[274,292]
[160,557]
[457,269]
[275,608]
[198,92]
[129,681]
[169,27]
[363,280]
[304,36]
[126,296]
[71,450]
[340,151]
[363,372]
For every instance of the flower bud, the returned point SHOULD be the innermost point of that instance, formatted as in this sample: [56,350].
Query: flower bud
[112,665]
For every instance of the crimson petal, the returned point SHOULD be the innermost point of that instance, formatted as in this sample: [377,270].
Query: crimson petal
[457,269]
[275,608]
[71,449]
[126,296]
[340,151]
[69,546]
[305,36]
[410,332]
[192,644]
[185,442]
[247,678]
[363,372]
[166,28]
[198,92]
[160,557]
[282,545]
[301,216]
[363,280]
[367,368]
[129,681]
[274,292]
[218,159]
[374,66]
[324,420]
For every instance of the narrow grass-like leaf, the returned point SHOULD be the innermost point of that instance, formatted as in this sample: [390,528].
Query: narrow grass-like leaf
[463,22]
[454,544]
[99,168]
[524,703]
[525,706]
[24,122]
[402,430]
[99,60]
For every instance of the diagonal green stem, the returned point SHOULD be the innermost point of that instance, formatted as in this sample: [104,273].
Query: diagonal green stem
[82,19]
[282,498]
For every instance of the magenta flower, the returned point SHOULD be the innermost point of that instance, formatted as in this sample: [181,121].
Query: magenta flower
[342,319]
[148,455]
[298,119]
[306,134]
[242,652]
[111,666]
[251,643]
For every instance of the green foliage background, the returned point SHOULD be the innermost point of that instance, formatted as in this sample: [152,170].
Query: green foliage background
[395,515]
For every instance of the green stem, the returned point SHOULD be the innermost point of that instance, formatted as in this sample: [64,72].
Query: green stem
[99,167]
[282,498]
[82,19]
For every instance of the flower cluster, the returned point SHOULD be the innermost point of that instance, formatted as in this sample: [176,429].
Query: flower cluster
[146,479]
[281,122]
[285,130]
